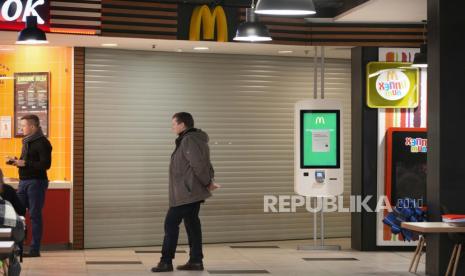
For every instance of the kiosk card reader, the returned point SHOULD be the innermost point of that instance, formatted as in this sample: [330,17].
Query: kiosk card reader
[320,176]
[318,147]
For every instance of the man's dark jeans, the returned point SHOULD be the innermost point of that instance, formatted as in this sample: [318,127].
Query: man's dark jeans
[32,194]
[190,214]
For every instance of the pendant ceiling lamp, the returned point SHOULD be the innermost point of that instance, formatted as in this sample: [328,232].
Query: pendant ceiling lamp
[285,7]
[31,35]
[420,59]
[251,30]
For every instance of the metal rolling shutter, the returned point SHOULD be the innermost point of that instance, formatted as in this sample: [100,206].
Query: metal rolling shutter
[245,104]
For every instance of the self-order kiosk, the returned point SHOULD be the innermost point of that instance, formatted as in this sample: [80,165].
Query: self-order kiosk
[318,147]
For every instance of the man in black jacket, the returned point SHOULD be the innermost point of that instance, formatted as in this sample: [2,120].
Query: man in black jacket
[35,160]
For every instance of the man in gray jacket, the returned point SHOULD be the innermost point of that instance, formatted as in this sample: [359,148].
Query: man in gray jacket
[191,179]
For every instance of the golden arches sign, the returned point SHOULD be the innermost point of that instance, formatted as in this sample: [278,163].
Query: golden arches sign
[204,17]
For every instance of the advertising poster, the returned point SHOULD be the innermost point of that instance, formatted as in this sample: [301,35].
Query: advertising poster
[31,97]
[5,127]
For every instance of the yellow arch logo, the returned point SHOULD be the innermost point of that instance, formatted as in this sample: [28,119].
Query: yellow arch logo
[204,17]
[392,75]
[320,121]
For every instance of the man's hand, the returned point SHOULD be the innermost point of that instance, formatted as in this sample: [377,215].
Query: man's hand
[213,186]
[20,163]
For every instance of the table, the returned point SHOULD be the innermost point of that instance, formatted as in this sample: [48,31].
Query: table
[435,228]
[432,227]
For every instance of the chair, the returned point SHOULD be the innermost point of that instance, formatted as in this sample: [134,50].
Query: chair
[417,255]
[21,244]
[459,240]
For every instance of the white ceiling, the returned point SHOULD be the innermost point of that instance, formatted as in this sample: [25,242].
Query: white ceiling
[387,11]
[8,38]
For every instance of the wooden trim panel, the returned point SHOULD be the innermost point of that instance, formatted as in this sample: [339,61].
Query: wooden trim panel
[78,149]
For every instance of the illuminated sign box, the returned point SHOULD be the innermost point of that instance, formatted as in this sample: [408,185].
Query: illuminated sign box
[206,20]
[13,13]
[392,85]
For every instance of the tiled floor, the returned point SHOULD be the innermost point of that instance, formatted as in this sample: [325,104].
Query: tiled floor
[284,260]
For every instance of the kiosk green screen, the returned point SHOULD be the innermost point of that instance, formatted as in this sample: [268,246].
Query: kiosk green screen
[320,139]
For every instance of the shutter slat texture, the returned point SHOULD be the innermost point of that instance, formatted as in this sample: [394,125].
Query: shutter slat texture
[246,105]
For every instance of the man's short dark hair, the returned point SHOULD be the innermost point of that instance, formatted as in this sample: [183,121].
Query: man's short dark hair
[184,117]
[32,119]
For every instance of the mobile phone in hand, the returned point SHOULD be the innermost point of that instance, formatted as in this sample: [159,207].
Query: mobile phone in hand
[11,161]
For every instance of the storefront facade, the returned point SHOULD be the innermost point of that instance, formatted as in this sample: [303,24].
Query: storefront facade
[77,121]
[54,65]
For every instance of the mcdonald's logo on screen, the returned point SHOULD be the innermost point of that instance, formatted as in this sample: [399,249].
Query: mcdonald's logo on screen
[320,121]
[204,19]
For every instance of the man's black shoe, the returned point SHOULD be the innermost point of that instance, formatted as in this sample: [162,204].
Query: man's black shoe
[162,267]
[191,266]
[32,254]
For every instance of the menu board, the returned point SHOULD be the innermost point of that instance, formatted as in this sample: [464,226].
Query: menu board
[31,97]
